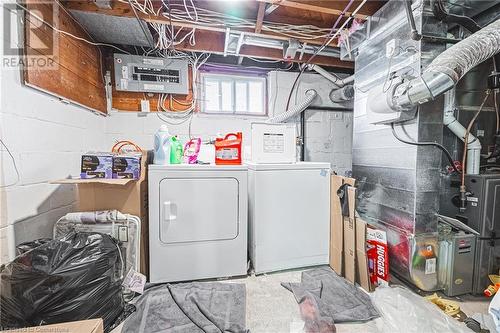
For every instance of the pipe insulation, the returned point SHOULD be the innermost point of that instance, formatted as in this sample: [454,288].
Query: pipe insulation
[449,67]
[473,143]
[296,109]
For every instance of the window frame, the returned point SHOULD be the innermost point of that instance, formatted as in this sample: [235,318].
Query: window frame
[233,78]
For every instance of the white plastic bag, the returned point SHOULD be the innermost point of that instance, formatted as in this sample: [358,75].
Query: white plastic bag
[494,310]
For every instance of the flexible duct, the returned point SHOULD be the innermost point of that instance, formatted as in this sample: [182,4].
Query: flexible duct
[295,110]
[449,67]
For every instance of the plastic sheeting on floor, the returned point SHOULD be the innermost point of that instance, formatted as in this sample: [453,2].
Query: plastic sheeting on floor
[403,311]
[325,298]
[190,307]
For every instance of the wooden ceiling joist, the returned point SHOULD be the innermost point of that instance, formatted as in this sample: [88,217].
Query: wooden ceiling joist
[211,38]
[214,42]
[123,10]
[260,17]
[312,8]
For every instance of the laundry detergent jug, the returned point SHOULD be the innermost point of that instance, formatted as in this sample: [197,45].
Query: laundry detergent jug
[191,151]
[228,149]
[162,146]
[176,150]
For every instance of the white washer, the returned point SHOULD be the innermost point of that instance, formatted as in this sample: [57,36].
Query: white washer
[197,222]
[289,215]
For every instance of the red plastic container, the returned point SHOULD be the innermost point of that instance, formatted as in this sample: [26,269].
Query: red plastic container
[228,150]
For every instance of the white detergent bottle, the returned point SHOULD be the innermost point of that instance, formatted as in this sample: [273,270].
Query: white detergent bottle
[162,146]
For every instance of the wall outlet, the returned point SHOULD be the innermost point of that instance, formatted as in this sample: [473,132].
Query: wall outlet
[392,48]
[145,105]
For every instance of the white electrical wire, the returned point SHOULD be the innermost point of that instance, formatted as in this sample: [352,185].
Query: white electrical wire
[18,177]
[190,13]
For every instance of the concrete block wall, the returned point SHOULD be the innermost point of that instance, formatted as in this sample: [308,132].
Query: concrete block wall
[329,138]
[46,138]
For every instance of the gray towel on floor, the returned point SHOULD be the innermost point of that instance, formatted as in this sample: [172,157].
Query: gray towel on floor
[334,299]
[190,307]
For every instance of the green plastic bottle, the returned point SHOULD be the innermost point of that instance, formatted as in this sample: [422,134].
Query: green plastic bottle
[176,151]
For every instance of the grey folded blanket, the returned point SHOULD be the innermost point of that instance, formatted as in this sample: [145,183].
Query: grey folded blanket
[190,307]
[324,296]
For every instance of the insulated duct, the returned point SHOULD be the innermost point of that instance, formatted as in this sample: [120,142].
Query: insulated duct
[295,110]
[449,67]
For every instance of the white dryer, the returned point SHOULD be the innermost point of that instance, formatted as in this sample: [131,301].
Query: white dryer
[197,222]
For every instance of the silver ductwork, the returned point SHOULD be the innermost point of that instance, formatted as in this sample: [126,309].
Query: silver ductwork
[341,95]
[449,67]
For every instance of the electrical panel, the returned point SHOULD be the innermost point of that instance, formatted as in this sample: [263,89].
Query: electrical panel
[148,74]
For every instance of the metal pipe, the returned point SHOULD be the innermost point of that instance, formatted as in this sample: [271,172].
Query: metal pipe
[411,21]
[335,80]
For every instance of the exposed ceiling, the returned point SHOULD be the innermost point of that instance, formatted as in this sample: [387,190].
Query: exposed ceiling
[306,21]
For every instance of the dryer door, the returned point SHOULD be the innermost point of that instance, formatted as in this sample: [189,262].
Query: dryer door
[198,209]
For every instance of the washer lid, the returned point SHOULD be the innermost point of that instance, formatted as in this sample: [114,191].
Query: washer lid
[288,166]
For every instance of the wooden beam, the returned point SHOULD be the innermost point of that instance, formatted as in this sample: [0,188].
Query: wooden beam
[260,17]
[211,39]
[213,42]
[312,8]
[124,10]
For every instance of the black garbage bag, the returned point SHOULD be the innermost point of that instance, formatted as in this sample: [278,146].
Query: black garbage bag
[73,278]
[28,246]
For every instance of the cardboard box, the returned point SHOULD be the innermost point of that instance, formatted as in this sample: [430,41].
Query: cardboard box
[83,326]
[350,237]
[337,224]
[348,256]
[362,271]
[378,256]
[126,195]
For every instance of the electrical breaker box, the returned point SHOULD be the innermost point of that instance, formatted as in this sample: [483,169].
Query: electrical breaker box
[148,74]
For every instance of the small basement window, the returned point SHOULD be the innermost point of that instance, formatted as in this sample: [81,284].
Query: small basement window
[233,94]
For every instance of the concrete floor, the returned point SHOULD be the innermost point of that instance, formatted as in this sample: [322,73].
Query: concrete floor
[272,309]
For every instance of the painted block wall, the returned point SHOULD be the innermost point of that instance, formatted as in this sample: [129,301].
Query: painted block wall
[331,132]
[46,138]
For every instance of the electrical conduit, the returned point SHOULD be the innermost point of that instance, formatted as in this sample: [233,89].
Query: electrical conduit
[335,80]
